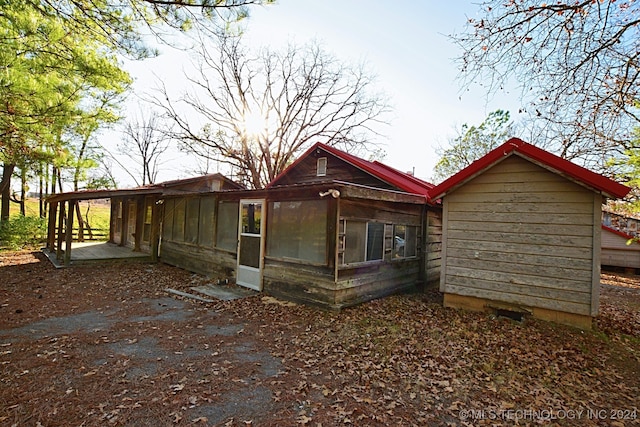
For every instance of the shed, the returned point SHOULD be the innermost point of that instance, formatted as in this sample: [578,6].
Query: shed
[619,249]
[521,233]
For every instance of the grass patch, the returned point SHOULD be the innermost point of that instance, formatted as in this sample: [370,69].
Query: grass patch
[22,231]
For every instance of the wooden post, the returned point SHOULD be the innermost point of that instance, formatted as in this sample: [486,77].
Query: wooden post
[69,233]
[112,219]
[60,229]
[156,214]
[51,227]
[139,201]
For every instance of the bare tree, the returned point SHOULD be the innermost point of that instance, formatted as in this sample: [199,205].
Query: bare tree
[576,63]
[261,110]
[145,142]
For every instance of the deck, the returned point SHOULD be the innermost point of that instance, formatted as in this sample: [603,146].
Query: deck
[88,252]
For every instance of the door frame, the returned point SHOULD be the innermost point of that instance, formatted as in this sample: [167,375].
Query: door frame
[247,276]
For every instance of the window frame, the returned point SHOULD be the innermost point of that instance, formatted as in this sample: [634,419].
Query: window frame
[388,230]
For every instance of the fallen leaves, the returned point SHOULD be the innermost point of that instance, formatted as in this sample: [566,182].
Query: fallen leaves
[402,360]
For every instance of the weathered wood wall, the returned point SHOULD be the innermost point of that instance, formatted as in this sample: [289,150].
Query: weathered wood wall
[433,246]
[375,279]
[207,261]
[299,282]
[522,235]
[306,172]
[616,252]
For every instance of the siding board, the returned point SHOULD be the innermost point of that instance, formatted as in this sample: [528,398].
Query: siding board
[580,297]
[518,268]
[519,279]
[522,300]
[523,218]
[571,251]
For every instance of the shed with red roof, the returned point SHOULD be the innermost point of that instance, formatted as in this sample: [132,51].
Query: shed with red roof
[521,233]
[619,249]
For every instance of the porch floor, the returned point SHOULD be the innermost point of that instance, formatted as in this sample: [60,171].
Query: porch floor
[83,252]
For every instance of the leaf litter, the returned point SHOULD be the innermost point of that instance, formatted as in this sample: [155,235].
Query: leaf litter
[151,359]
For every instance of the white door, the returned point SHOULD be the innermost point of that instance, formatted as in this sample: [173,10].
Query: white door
[250,244]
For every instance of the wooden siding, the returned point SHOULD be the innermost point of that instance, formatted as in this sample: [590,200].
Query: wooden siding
[433,246]
[305,172]
[616,252]
[522,235]
[299,282]
[201,260]
[376,280]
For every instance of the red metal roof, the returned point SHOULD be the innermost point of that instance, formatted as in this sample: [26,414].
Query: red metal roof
[620,233]
[401,180]
[515,146]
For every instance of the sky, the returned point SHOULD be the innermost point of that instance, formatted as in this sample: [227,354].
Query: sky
[404,43]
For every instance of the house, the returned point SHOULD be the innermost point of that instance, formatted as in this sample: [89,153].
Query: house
[518,231]
[331,230]
[619,249]
[521,234]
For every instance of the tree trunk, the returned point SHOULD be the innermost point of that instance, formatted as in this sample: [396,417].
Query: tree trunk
[23,190]
[41,193]
[53,180]
[80,223]
[5,190]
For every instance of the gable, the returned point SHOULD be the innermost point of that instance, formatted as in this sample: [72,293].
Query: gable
[557,165]
[305,171]
[516,179]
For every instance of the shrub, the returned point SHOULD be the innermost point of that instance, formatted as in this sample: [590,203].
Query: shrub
[21,231]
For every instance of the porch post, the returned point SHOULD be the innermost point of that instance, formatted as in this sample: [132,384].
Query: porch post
[156,214]
[69,233]
[51,227]
[59,230]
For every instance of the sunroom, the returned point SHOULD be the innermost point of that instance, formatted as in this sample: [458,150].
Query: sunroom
[331,244]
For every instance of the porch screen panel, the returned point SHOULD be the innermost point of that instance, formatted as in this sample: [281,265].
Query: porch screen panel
[167,223]
[192,216]
[298,230]
[178,220]
[146,230]
[207,221]
[227,227]
[355,241]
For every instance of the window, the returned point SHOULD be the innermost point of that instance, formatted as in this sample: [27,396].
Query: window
[361,241]
[227,227]
[405,239]
[146,229]
[298,230]
[119,216]
[375,241]
[207,221]
[321,167]
[354,241]
[192,217]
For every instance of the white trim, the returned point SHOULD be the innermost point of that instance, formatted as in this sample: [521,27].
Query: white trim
[247,276]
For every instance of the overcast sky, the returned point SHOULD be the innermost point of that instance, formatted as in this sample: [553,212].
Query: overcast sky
[403,42]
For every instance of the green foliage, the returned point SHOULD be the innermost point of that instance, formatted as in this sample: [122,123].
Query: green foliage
[22,231]
[472,143]
[627,169]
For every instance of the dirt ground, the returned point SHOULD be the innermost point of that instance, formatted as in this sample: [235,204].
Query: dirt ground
[106,345]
